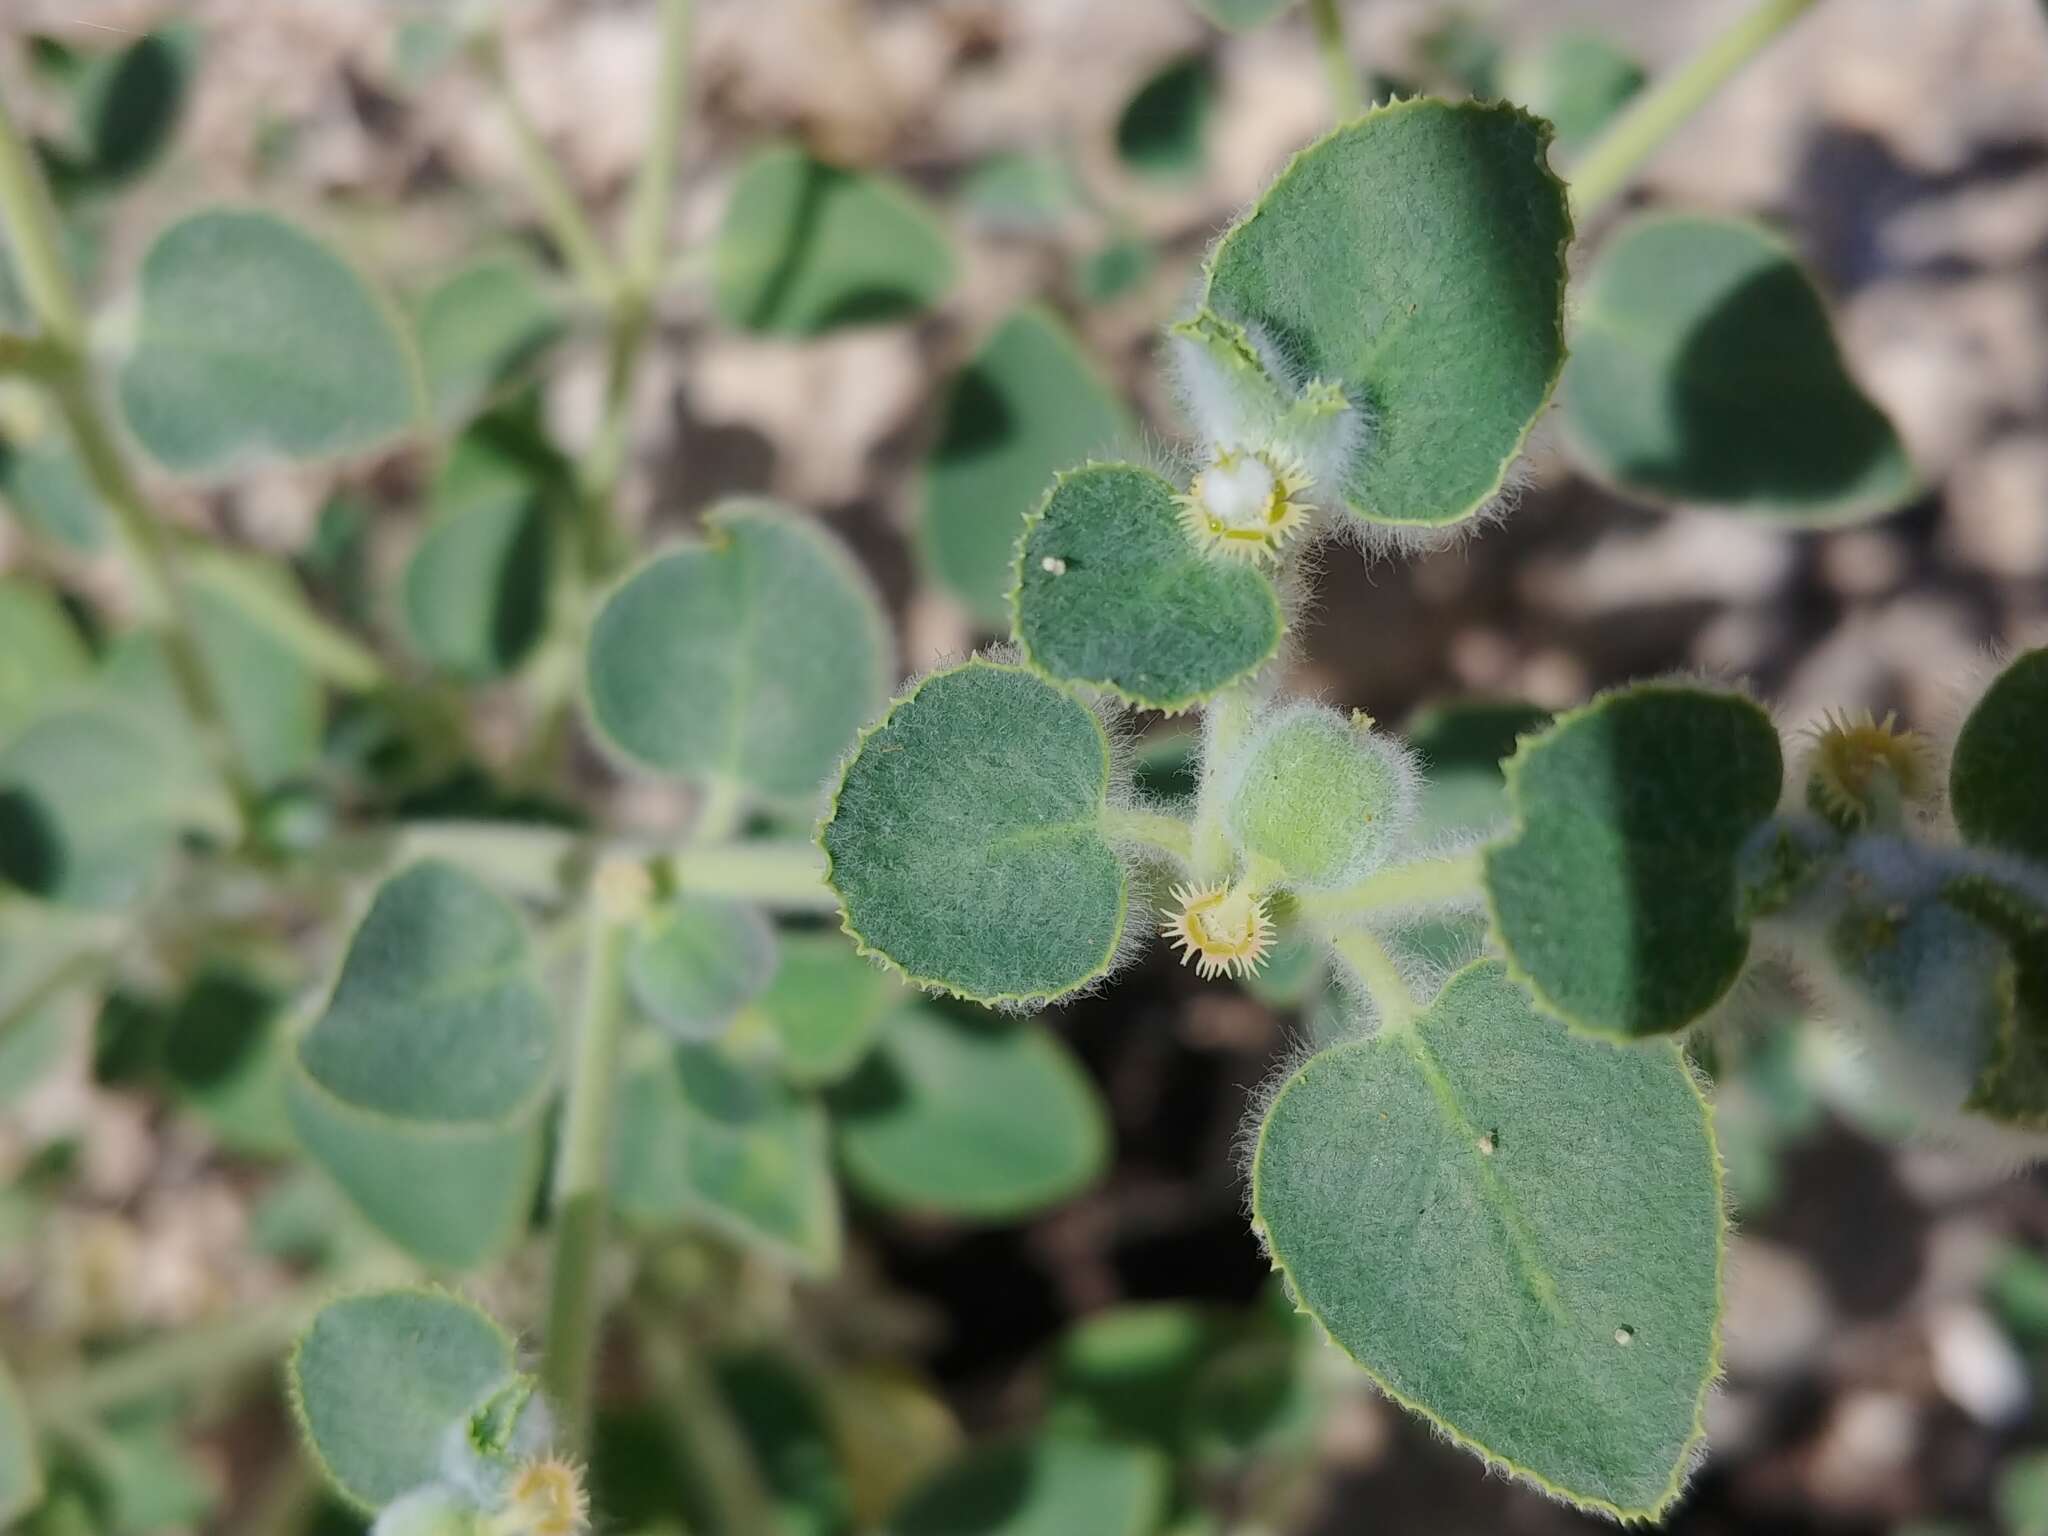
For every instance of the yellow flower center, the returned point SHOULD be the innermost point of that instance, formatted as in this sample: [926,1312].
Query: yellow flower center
[1223,930]
[1857,759]
[1246,505]
[545,1498]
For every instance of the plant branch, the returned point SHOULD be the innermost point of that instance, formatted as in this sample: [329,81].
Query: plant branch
[697,1415]
[582,1164]
[654,191]
[1226,719]
[1328,22]
[1453,878]
[1606,168]
[786,875]
[1155,829]
[1382,979]
[61,366]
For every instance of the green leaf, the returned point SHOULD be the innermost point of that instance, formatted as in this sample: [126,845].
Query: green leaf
[1460,746]
[129,103]
[1415,258]
[1242,15]
[273,702]
[41,653]
[481,326]
[265,598]
[1127,1372]
[475,600]
[1111,591]
[21,1469]
[705,1138]
[257,340]
[980,1117]
[380,1380]
[1615,892]
[779,1412]
[695,962]
[44,485]
[1318,795]
[807,247]
[1994,776]
[752,657]
[1163,129]
[1704,369]
[825,1006]
[1112,270]
[1049,1486]
[965,838]
[1026,406]
[419,1088]
[1578,80]
[225,1053]
[93,800]
[1517,1231]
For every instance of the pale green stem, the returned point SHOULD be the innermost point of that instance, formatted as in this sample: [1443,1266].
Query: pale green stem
[654,192]
[1424,883]
[700,1417]
[197,1355]
[1169,834]
[32,228]
[721,811]
[1606,168]
[1384,984]
[582,1164]
[1328,22]
[568,226]
[1228,718]
[788,875]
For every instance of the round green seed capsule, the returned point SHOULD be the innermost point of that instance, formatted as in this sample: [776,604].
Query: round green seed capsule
[1319,795]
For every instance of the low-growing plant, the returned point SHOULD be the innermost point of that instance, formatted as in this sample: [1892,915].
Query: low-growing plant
[1490,1176]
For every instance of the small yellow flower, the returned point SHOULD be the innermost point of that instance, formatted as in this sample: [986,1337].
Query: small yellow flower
[1224,930]
[1246,505]
[1852,751]
[545,1497]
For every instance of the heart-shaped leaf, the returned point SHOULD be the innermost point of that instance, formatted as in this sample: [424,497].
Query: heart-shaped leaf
[807,247]
[380,1380]
[1026,406]
[1704,370]
[965,838]
[1415,258]
[1111,591]
[420,1087]
[695,962]
[1615,892]
[1053,1485]
[751,658]
[254,340]
[1516,1230]
[1994,777]
[703,1137]
[988,1118]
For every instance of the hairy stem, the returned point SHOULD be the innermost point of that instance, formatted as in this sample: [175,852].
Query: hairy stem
[1606,168]
[1328,22]
[1382,979]
[1169,834]
[582,1163]
[785,875]
[63,369]
[567,224]
[1227,719]
[1442,881]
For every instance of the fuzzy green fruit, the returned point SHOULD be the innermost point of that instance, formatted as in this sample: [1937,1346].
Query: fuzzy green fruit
[1318,795]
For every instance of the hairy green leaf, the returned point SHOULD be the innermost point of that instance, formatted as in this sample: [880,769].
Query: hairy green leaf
[256,340]
[695,962]
[1112,591]
[1994,777]
[981,1117]
[1415,258]
[751,658]
[807,247]
[1516,1230]
[1049,1486]
[825,1005]
[381,1380]
[1026,406]
[703,1137]
[1704,369]
[419,1087]
[1615,892]
[965,838]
